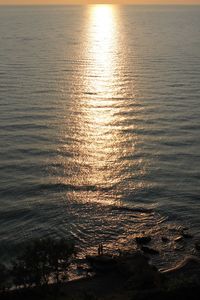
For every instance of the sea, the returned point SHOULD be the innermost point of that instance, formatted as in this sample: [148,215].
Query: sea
[100,126]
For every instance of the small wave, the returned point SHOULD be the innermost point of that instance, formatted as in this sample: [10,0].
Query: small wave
[39,189]
[71,187]
[90,93]
[133,209]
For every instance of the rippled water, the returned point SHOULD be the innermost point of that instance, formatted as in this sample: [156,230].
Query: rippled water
[100,122]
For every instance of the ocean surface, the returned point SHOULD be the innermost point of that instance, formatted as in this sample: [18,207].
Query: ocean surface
[99,124]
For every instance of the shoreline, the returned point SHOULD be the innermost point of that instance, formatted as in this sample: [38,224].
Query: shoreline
[126,274]
[171,247]
[125,277]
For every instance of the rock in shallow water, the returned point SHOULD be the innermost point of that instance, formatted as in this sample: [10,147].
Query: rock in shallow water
[149,250]
[164,239]
[143,239]
[197,245]
[187,235]
[179,248]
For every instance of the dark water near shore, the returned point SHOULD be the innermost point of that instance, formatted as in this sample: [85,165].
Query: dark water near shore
[100,123]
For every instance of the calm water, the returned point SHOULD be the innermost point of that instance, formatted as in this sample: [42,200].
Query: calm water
[100,123]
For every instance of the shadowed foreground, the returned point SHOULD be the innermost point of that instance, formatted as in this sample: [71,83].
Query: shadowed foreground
[127,276]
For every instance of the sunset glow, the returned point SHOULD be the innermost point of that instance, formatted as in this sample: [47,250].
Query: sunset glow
[63,2]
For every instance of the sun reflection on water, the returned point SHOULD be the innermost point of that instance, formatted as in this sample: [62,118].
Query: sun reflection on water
[99,107]
[102,35]
[104,105]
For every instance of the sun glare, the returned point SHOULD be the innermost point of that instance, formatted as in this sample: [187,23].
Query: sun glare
[102,39]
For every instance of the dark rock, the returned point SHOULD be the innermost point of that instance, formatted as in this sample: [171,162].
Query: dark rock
[143,239]
[149,250]
[187,235]
[197,245]
[139,272]
[164,239]
[179,248]
[185,228]
[102,263]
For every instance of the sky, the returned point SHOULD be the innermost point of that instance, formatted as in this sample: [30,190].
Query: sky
[22,2]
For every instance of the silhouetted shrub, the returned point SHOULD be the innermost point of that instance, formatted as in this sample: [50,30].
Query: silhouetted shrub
[42,260]
[4,278]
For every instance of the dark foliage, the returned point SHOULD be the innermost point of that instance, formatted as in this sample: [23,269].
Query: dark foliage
[42,260]
[4,278]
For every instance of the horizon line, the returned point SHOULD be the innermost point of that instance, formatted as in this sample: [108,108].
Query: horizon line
[123,4]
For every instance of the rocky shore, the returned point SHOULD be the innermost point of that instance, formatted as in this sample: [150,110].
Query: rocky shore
[124,277]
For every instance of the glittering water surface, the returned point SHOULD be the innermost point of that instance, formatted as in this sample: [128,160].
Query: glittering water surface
[99,122]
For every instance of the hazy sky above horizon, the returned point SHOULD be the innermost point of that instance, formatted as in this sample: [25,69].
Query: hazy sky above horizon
[21,2]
